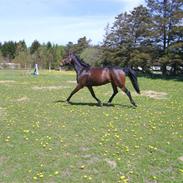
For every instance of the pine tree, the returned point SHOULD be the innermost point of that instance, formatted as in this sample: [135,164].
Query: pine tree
[8,50]
[128,35]
[34,46]
[166,15]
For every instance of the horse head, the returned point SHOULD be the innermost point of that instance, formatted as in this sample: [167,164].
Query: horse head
[68,60]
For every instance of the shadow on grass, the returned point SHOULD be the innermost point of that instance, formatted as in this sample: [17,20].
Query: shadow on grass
[94,104]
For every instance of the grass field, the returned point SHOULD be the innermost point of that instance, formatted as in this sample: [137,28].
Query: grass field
[44,139]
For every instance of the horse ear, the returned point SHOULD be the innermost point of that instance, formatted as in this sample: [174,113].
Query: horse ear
[71,53]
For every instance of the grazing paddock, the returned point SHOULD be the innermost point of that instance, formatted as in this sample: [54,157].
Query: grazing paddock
[44,139]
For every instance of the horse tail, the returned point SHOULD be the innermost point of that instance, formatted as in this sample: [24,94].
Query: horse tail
[133,77]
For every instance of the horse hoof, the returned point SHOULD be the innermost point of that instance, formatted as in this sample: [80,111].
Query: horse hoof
[100,104]
[109,104]
[134,105]
[67,101]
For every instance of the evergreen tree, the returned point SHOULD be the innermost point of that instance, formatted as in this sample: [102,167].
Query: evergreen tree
[69,47]
[92,55]
[49,45]
[81,45]
[129,35]
[22,56]
[34,46]
[77,48]
[8,50]
[166,16]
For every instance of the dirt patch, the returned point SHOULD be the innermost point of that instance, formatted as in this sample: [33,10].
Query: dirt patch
[84,148]
[66,173]
[112,164]
[2,111]
[7,81]
[91,159]
[5,172]
[72,81]
[154,94]
[49,87]
[3,159]
[180,158]
[23,99]
[23,83]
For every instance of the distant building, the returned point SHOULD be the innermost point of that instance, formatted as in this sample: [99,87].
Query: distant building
[8,65]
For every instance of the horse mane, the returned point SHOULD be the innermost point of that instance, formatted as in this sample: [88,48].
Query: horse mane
[82,62]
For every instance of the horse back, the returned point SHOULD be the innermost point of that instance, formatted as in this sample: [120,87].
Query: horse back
[95,76]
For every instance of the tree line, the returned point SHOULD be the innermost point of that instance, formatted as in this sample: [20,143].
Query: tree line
[149,35]
[45,55]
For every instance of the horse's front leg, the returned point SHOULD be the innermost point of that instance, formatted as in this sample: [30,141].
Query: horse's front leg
[78,87]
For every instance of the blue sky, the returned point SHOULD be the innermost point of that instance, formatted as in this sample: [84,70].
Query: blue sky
[59,21]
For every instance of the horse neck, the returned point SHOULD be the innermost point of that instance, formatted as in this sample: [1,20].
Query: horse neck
[78,66]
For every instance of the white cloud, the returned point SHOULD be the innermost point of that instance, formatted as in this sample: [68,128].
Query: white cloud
[57,30]
[44,20]
[128,5]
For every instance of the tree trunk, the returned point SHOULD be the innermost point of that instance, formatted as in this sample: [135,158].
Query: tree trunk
[163,69]
[174,69]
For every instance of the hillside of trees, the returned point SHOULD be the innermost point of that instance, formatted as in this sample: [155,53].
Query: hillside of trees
[150,35]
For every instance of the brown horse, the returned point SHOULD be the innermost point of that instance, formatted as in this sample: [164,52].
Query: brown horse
[95,76]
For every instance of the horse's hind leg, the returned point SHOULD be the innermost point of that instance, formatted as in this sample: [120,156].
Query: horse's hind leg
[115,91]
[78,87]
[93,95]
[129,95]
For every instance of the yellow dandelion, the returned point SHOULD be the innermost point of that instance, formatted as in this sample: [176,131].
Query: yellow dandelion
[82,166]
[41,175]
[122,177]
[26,131]
[35,178]
[56,172]
[154,177]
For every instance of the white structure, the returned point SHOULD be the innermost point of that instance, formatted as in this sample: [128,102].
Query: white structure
[36,72]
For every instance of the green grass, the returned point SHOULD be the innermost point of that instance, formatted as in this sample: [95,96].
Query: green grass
[43,139]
